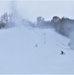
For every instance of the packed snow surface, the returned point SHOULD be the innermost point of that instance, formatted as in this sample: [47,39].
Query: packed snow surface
[33,50]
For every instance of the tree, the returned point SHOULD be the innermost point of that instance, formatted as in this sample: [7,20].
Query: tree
[6,21]
[41,23]
[67,25]
[63,25]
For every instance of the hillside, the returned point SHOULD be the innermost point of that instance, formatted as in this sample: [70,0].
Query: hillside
[33,50]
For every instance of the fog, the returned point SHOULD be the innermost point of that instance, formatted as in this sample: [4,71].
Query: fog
[15,14]
[31,9]
[46,9]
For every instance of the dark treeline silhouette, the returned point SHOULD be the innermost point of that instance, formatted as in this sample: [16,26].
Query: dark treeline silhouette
[62,25]
[41,23]
[6,21]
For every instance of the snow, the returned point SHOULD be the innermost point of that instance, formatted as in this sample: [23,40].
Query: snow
[19,54]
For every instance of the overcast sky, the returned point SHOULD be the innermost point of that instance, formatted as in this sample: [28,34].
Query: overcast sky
[31,9]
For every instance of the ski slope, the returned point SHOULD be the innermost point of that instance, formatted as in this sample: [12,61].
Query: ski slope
[19,53]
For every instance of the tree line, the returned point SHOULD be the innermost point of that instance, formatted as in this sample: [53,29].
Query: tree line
[62,25]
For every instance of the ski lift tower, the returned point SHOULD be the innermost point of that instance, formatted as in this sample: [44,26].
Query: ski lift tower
[44,36]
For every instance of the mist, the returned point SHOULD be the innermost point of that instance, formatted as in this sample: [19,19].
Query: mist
[47,9]
[32,9]
[15,14]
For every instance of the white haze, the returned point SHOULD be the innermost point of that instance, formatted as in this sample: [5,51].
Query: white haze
[4,6]
[16,16]
[46,9]
[18,53]
[31,9]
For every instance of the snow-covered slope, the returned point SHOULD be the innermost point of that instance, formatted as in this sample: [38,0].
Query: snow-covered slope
[29,50]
